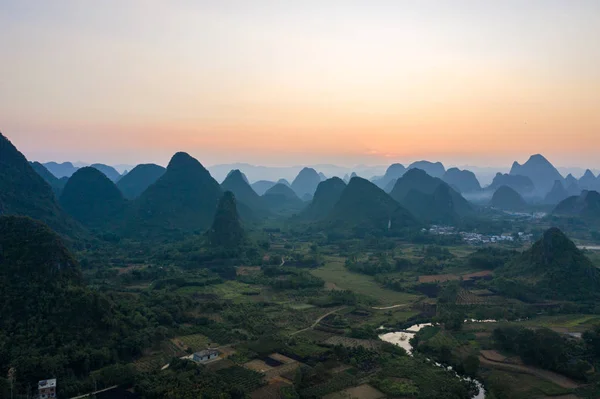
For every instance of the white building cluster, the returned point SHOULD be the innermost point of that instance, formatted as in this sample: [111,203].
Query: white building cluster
[478,238]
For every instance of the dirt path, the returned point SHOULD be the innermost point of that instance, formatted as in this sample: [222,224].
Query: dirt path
[558,379]
[390,307]
[87,395]
[316,323]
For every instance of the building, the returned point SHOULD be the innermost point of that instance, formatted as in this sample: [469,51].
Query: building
[47,389]
[205,355]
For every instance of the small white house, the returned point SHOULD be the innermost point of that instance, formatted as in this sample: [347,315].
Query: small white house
[47,389]
[205,355]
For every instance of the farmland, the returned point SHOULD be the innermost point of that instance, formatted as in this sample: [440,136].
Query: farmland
[194,342]
[335,273]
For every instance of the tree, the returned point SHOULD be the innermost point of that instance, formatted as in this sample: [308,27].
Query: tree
[471,365]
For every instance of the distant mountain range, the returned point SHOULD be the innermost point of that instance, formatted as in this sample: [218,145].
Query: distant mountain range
[183,197]
[464,179]
[281,198]
[540,171]
[305,184]
[54,182]
[67,169]
[521,184]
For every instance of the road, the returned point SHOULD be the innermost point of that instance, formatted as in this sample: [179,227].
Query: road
[316,323]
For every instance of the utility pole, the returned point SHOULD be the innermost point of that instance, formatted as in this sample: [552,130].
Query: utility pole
[11,378]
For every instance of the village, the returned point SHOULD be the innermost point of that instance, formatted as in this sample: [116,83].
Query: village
[474,238]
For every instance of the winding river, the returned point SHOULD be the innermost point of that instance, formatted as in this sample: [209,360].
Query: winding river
[402,339]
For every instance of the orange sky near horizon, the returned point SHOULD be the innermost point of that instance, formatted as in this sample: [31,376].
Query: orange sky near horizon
[289,83]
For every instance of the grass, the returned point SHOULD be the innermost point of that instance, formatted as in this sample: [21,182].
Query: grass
[336,273]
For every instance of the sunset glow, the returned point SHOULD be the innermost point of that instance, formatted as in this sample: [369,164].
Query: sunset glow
[278,82]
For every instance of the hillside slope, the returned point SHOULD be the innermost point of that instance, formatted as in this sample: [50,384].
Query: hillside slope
[24,192]
[134,183]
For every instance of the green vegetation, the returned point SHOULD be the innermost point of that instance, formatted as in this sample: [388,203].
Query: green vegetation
[184,199]
[585,206]
[52,324]
[504,385]
[420,380]
[553,268]
[549,350]
[333,273]
[184,379]
[226,230]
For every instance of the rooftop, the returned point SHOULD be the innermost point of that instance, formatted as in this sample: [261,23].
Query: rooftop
[47,383]
[207,352]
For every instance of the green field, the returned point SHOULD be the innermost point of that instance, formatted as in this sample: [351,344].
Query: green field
[334,272]
[563,323]
[232,290]
[572,322]
[301,306]
[390,317]
[525,386]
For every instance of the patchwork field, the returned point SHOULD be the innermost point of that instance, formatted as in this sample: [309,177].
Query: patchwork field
[158,357]
[525,386]
[352,342]
[440,278]
[232,290]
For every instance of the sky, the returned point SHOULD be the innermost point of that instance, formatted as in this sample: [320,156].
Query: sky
[276,82]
